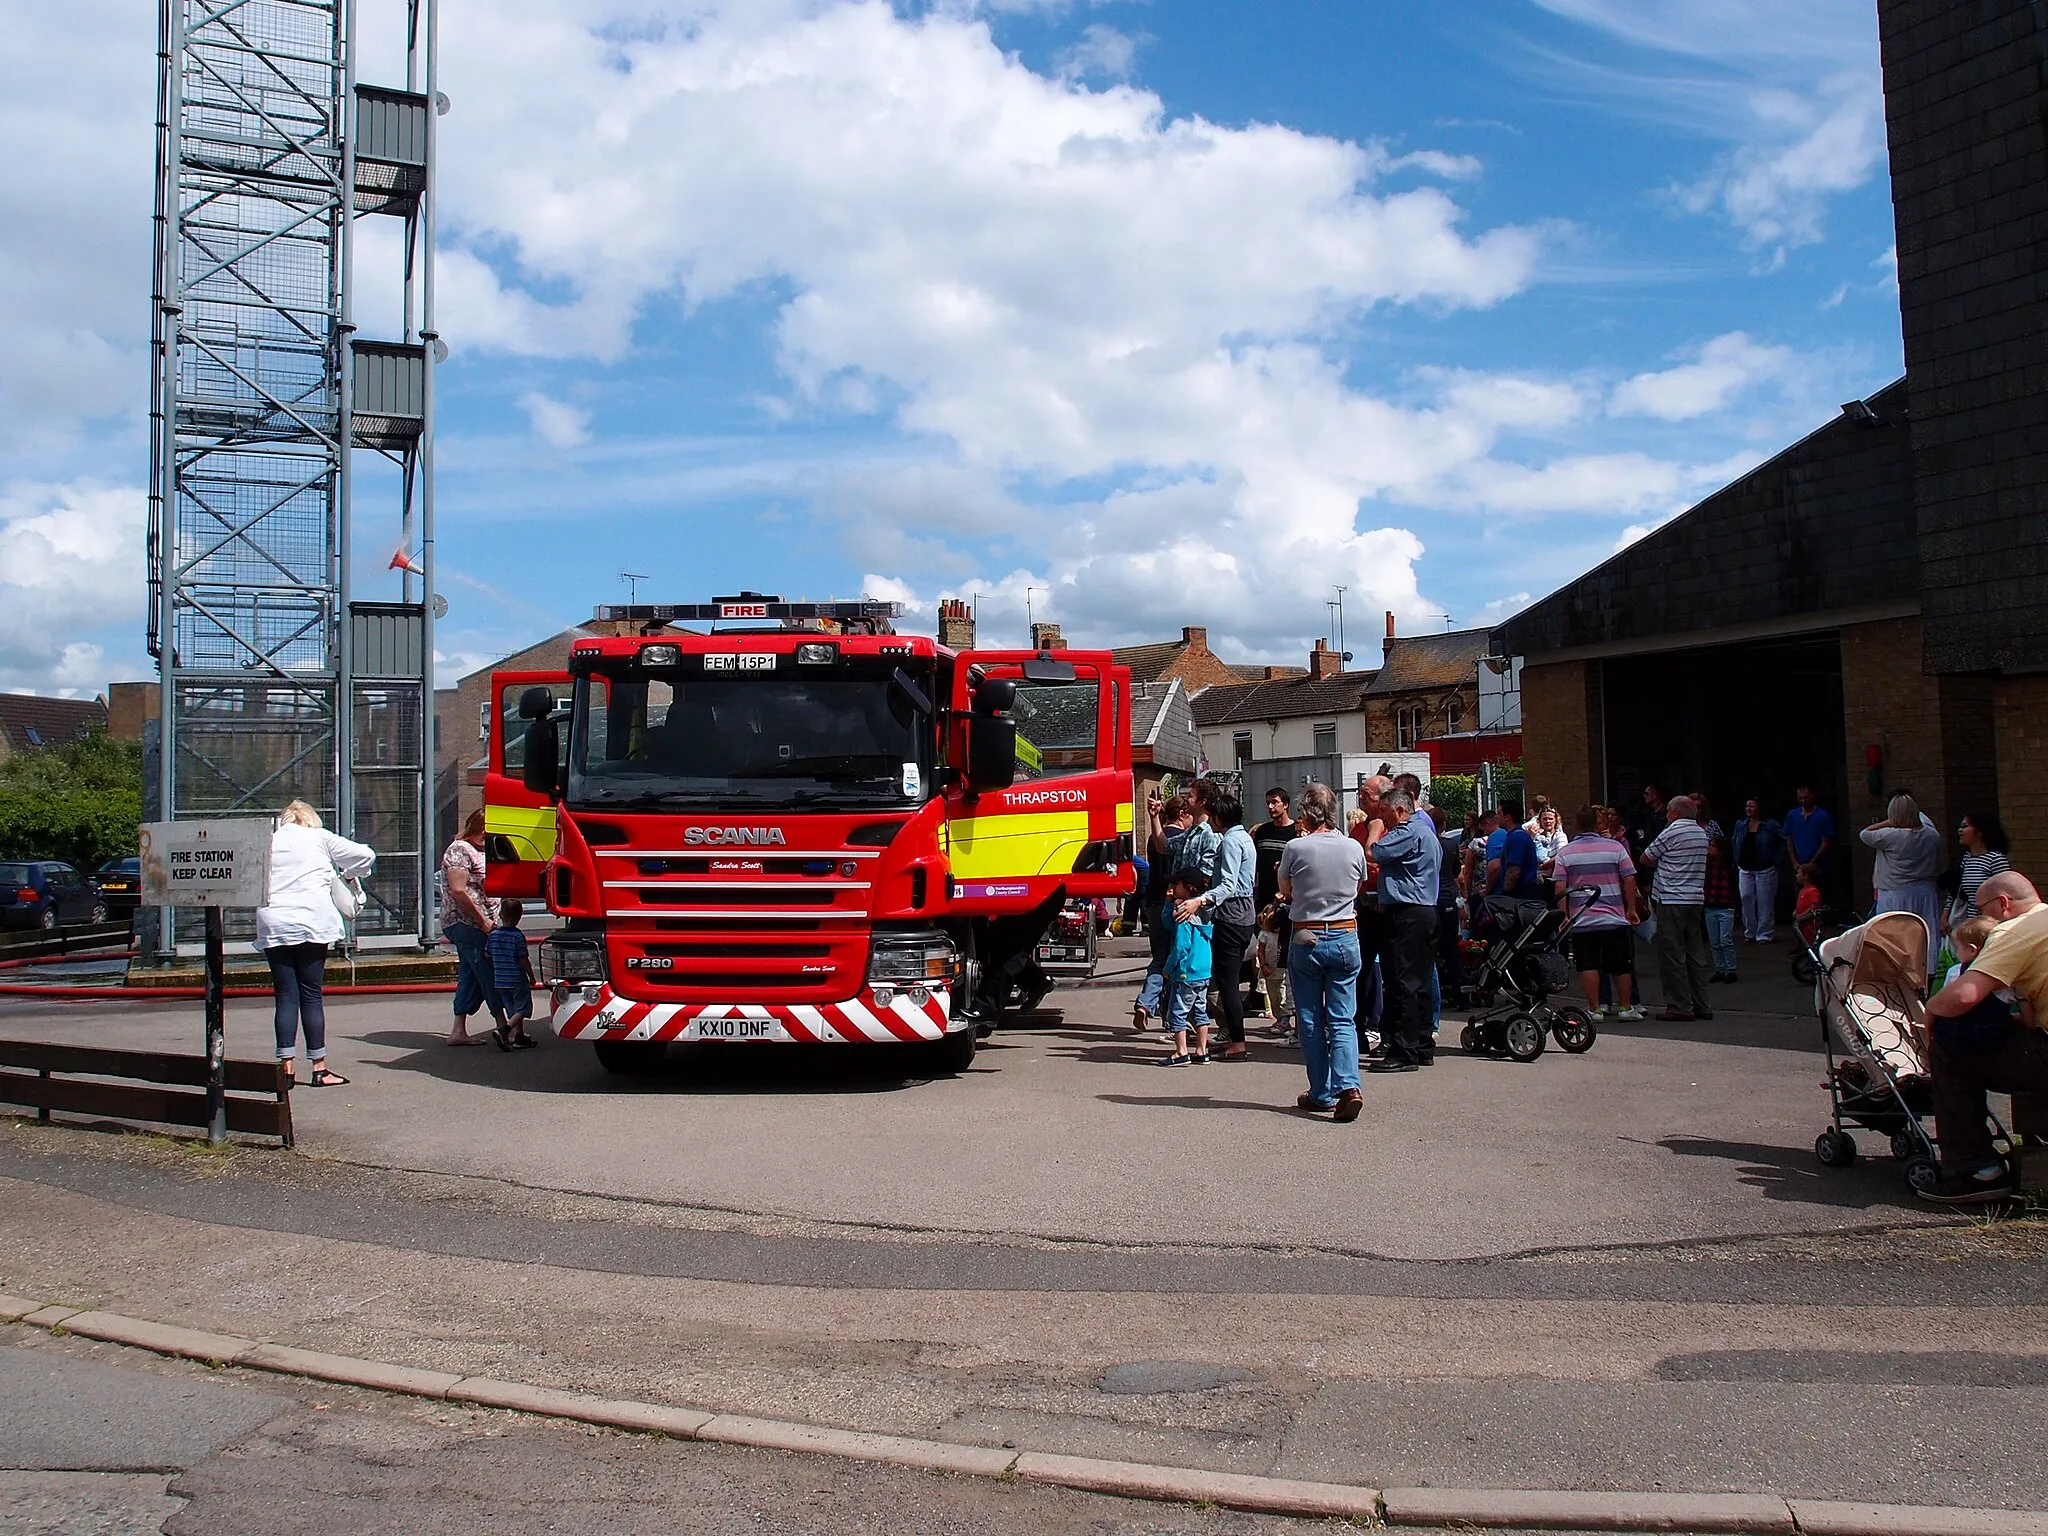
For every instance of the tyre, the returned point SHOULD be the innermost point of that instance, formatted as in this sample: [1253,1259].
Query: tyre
[1573,1029]
[632,1058]
[1835,1149]
[1472,1040]
[1802,968]
[1922,1173]
[99,913]
[48,921]
[955,1053]
[1905,1146]
[1523,1037]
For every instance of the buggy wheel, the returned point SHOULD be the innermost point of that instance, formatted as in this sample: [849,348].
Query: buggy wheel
[1472,1040]
[1802,967]
[1835,1149]
[1922,1173]
[1523,1036]
[1573,1029]
[1905,1146]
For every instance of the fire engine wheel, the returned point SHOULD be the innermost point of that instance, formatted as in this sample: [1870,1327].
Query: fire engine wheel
[632,1058]
[955,1053]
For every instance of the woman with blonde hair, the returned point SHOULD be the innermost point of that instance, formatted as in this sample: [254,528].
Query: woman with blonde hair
[1908,868]
[467,918]
[295,926]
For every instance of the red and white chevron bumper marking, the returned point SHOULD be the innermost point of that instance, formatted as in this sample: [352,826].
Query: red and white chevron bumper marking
[858,1021]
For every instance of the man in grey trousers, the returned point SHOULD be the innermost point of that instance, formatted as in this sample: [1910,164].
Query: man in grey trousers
[1678,896]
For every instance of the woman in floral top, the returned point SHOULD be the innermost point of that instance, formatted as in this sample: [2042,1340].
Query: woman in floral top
[467,918]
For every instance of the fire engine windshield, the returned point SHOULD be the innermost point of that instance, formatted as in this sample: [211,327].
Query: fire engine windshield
[759,740]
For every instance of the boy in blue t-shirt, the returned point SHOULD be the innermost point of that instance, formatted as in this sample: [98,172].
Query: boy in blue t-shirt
[1187,973]
[512,972]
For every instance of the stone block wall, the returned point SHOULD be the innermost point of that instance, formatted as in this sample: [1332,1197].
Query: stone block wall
[1561,732]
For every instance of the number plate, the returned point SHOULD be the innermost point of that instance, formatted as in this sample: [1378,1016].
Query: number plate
[744,661]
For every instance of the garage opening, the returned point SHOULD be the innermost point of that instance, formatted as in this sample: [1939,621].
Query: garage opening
[1759,718]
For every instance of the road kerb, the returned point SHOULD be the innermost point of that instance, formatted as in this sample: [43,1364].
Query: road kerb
[1188,1485]
[1833,1517]
[159,1338]
[1717,1514]
[857,1445]
[349,1371]
[1749,1514]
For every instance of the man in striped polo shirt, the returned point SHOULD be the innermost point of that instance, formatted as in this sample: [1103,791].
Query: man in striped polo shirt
[1678,894]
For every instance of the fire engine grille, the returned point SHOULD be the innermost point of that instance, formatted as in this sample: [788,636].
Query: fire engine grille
[728,896]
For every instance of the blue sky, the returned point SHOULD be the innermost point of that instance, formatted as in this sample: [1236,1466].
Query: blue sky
[1160,314]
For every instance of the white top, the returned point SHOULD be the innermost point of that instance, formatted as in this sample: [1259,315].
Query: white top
[303,863]
[1548,844]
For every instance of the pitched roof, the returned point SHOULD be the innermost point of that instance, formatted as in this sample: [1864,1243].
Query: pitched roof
[1431,661]
[1256,672]
[29,721]
[1163,723]
[1148,662]
[1283,699]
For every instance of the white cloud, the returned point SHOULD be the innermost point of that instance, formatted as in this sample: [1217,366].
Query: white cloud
[1723,368]
[1498,611]
[1100,53]
[1437,163]
[1630,534]
[555,422]
[1793,87]
[71,560]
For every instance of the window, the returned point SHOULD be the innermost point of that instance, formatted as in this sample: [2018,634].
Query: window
[483,721]
[1241,747]
[1408,725]
[1056,724]
[1326,740]
[1454,715]
[515,725]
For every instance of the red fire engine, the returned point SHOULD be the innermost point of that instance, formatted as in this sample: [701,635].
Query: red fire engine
[806,829]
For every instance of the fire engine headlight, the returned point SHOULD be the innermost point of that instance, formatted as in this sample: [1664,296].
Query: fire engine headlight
[814,655]
[572,958]
[660,655]
[904,959]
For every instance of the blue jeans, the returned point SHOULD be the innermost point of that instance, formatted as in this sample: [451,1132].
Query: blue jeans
[1324,976]
[297,975]
[1153,989]
[1187,1007]
[1721,938]
[474,988]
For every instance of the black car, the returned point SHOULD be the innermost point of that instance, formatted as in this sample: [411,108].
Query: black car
[119,883]
[46,894]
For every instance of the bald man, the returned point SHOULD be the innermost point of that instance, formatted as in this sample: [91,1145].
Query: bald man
[2014,958]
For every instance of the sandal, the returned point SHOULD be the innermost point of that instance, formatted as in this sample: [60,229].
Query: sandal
[1140,1020]
[502,1037]
[322,1078]
[523,1042]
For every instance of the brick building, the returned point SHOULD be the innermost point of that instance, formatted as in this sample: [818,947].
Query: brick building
[29,722]
[1866,611]
[1191,661]
[1426,686]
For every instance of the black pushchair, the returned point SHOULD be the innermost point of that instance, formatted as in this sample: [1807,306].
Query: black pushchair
[1524,968]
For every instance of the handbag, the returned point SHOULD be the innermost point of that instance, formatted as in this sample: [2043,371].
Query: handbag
[347,893]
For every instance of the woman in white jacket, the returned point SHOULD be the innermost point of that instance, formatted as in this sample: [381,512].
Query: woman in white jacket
[295,927]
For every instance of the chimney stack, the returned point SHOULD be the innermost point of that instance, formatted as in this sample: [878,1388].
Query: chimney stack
[1195,639]
[956,624]
[1047,637]
[1324,662]
[1387,645]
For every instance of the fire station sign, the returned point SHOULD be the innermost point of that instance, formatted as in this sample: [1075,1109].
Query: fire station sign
[206,863]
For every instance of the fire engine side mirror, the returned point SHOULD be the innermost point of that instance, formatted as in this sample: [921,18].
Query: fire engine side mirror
[993,695]
[536,704]
[991,753]
[543,748]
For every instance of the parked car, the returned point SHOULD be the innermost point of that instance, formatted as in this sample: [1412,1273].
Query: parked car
[119,883]
[46,894]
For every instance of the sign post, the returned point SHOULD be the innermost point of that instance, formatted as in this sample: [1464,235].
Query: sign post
[214,865]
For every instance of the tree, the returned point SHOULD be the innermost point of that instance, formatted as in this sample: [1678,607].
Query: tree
[80,802]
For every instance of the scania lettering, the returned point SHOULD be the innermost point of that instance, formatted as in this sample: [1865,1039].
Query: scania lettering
[913,818]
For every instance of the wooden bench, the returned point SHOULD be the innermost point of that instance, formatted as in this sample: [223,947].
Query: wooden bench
[160,1087]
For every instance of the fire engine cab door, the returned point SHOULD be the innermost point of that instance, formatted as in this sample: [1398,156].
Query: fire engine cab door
[1067,818]
[519,826]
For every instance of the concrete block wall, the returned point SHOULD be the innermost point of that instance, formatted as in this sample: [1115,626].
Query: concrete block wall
[1561,732]
[2020,716]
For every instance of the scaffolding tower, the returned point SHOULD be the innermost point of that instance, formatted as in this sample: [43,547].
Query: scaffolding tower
[277,684]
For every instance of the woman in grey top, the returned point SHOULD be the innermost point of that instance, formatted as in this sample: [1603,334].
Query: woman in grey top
[1908,866]
[1319,879]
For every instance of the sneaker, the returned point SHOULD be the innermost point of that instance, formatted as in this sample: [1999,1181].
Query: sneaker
[1176,1061]
[1631,1015]
[1986,1186]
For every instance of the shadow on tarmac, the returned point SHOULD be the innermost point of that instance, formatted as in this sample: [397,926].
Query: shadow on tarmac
[1143,1101]
[1793,1173]
[571,1067]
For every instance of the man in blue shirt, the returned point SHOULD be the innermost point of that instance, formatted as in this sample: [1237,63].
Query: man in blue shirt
[1512,861]
[1407,854]
[1810,834]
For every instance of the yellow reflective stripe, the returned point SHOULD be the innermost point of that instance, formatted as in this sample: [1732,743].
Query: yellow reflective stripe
[530,829]
[1037,843]
[1126,814]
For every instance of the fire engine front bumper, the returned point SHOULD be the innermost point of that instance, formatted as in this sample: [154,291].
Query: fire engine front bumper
[861,1020]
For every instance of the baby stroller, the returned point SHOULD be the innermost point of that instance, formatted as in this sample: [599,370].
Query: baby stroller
[1869,993]
[1523,969]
